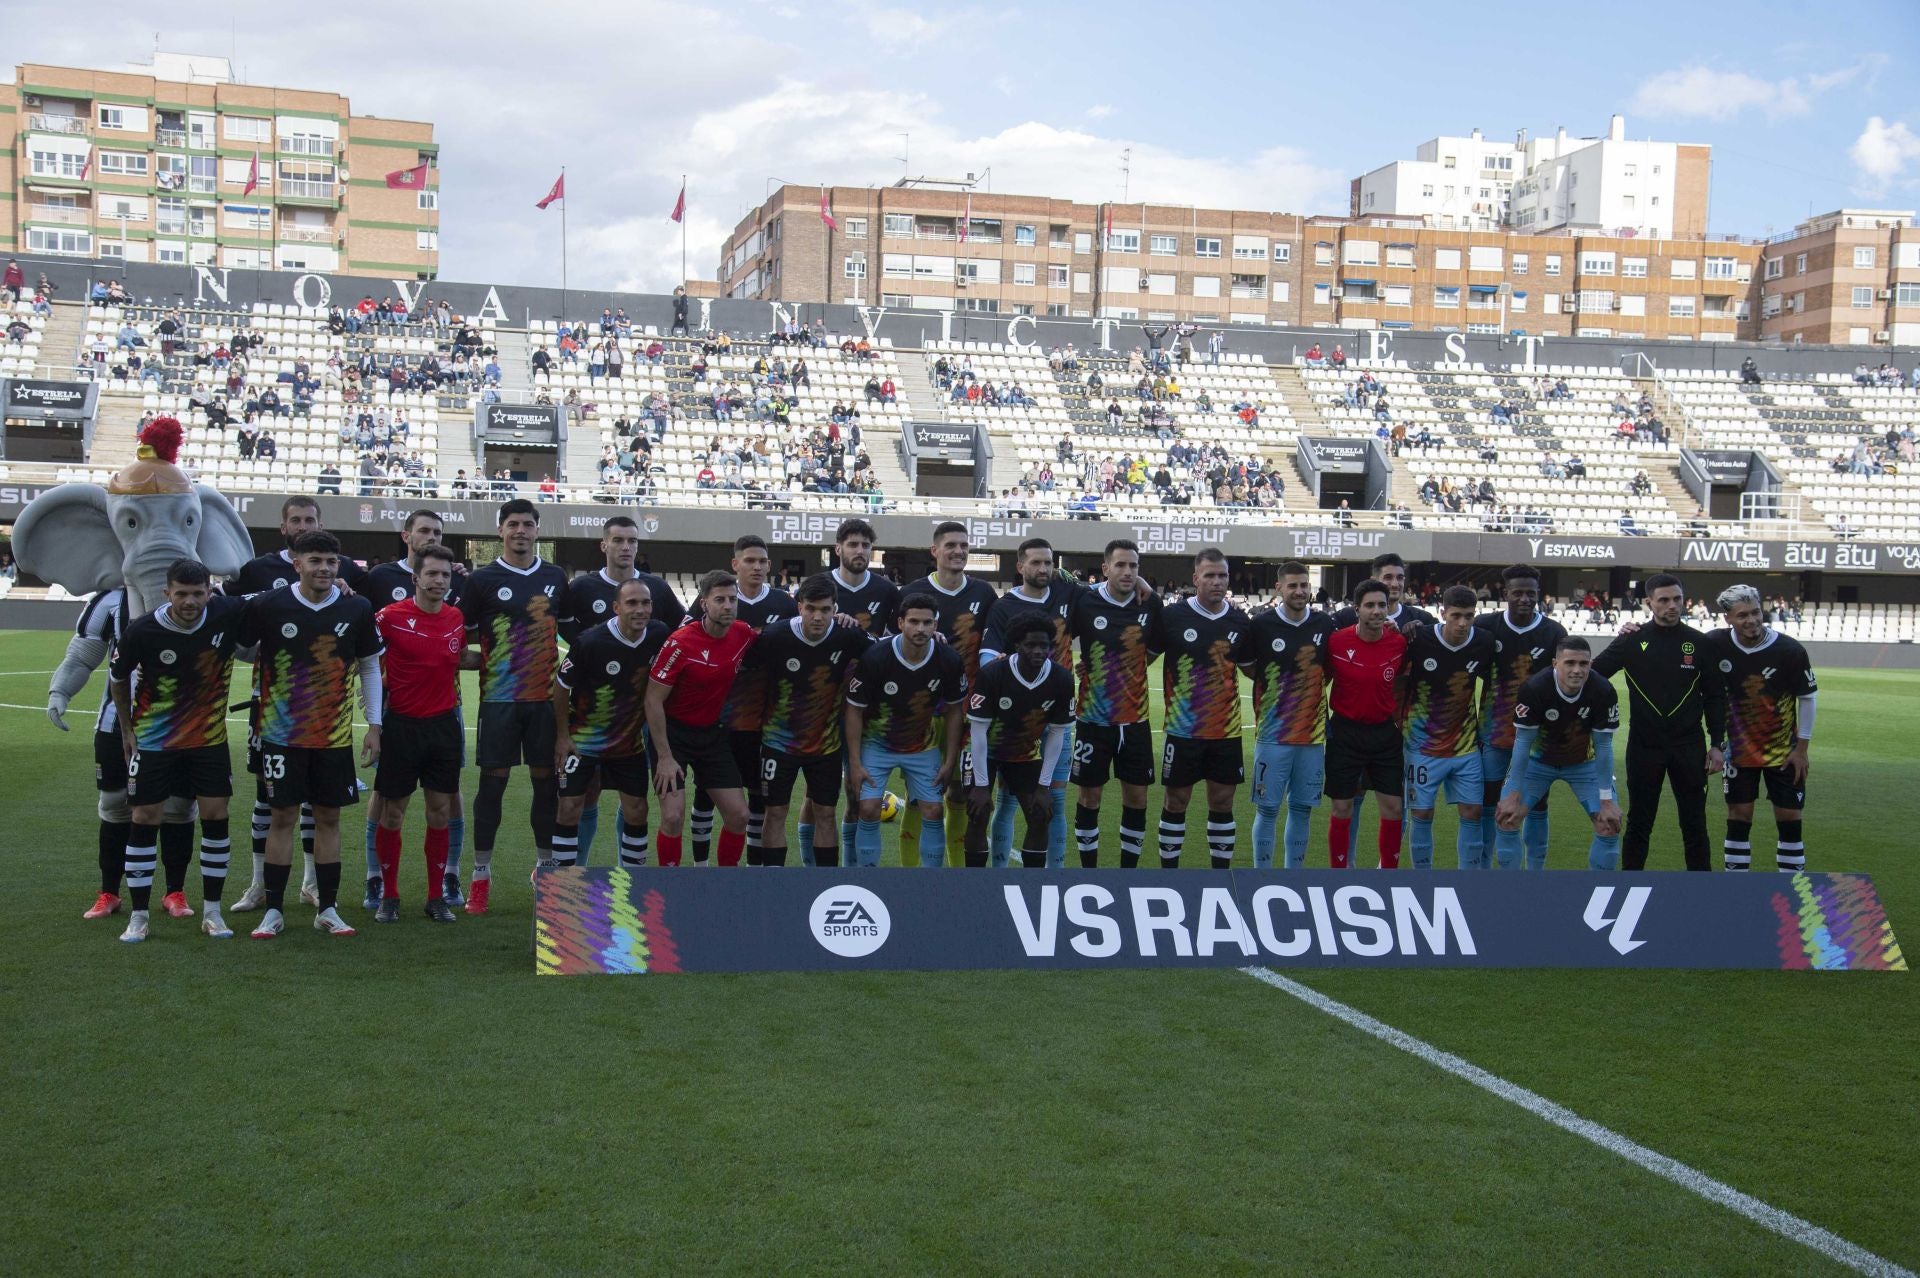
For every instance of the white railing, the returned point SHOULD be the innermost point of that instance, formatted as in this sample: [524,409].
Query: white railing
[306,234]
[303,190]
[62,214]
[170,137]
[72,125]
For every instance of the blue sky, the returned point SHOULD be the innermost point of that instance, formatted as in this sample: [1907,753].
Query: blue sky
[1268,106]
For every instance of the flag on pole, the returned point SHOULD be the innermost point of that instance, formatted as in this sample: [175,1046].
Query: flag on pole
[559,192]
[253,174]
[86,165]
[826,211]
[680,205]
[413,179]
[966,219]
[1107,239]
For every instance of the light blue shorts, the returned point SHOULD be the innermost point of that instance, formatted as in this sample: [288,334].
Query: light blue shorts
[1539,778]
[1460,775]
[919,768]
[1288,775]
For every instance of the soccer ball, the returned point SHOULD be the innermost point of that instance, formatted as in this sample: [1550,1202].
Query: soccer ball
[890,805]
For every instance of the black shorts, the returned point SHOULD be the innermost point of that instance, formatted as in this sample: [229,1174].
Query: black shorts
[1364,756]
[291,776]
[746,757]
[154,776]
[1124,753]
[420,754]
[1742,785]
[1185,760]
[109,762]
[705,754]
[825,775]
[515,732]
[1018,779]
[626,774]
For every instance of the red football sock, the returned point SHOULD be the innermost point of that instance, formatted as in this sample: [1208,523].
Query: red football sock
[386,844]
[1389,844]
[1339,830]
[436,860]
[728,849]
[667,848]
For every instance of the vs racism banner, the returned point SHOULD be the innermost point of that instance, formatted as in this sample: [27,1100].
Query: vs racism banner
[616,921]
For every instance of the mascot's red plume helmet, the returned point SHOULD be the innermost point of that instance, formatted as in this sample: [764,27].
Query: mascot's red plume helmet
[155,470]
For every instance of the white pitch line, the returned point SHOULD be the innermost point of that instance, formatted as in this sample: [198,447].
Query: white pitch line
[9,674]
[1787,1225]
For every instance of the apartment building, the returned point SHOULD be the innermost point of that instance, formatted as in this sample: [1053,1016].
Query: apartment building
[948,247]
[1849,277]
[1657,190]
[174,162]
[904,247]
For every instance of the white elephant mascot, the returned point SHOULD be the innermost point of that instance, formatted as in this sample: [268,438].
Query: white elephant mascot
[118,542]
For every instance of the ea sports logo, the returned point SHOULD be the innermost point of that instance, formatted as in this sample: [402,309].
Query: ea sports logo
[289,630]
[504,593]
[1499,645]
[1552,715]
[1006,703]
[599,605]
[892,688]
[1191,635]
[1279,645]
[849,921]
[279,582]
[168,657]
[793,664]
[399,593]
[1099,623]
[1430,664]
[1726,667]
[613,667]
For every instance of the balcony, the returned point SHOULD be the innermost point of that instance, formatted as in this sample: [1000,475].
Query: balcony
[176,138]
[71,125]
[298,191]
[59,214]
[305,234]
[1246,292]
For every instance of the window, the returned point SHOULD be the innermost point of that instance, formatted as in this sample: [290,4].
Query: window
[1484,257]
[1206,286]
[1776,267]
[117,207]
[426,201]
[59,164]
[854,266]
[1446,297]
[1517,304]
[1721,268]
[1083,241]
[246,217]
[1163,245]
[1161,317]
[1083,281]
[1682,306]
[896,299]
[1626,202]
[1123,241]
[1024,273]
[1160,284]
[1553,264]
[1400,255]
[1282,290]
[1520,263]
[234,172]
[1800,264]
[1056,235]
[1863,257]
[1397,295]
[1426,192]
[1633,304]
[977,271]
[1026,236]
[1206,246]
[1906,295]
[1447,163]
[113,117]
[1357,253]
[898,224]
[1769,306]
[1862,297]
[1322,253]
[1549,303]
[855,227]
[1596,263]
[45,239]
[1282,251]
[247,128]
[1684,268]
[1633,268]
[1595,300]
[170,215]
[111,250]
[987,304]
[1250,248]
[202,174]
[1057,275]
[426,240]
[1446,259]
[1629,170]
[304,143]
[1056,310]
[1323,295]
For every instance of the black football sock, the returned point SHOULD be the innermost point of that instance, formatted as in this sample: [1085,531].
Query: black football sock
[540,813]
[1791,855]
[113,854]
[326,879]
[276,877]
[176,853]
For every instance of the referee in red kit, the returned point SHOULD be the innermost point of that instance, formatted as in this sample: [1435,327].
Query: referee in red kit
[1363,736]
[685,694]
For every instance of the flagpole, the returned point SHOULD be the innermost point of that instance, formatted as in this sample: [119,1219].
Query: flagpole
[683,229]
[563,241]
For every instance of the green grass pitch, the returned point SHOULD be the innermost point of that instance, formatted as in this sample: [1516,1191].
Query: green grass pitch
[415,1100]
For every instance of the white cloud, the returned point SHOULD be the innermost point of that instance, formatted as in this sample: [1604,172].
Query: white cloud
[1883,151]
[1100,110]
[1717,95]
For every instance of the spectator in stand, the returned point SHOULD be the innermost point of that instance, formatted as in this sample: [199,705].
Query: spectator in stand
[248,437]
[14,282]
[679,324]
[1501,414]
[370,474]
[873,390]
[1627,527]
[597,355]
[265,449]
[889,393]
[329,481]
[1339,357]
[1576,467]
[541,363]
[1314,357]
[1749,372]
[549,490]
[1343,517]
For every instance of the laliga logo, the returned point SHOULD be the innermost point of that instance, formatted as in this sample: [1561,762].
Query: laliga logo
[1621,934]
[849,921]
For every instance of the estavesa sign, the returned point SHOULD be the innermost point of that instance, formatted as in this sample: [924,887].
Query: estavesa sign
[615,920]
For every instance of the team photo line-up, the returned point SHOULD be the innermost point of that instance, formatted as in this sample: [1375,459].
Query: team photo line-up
[988,705]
